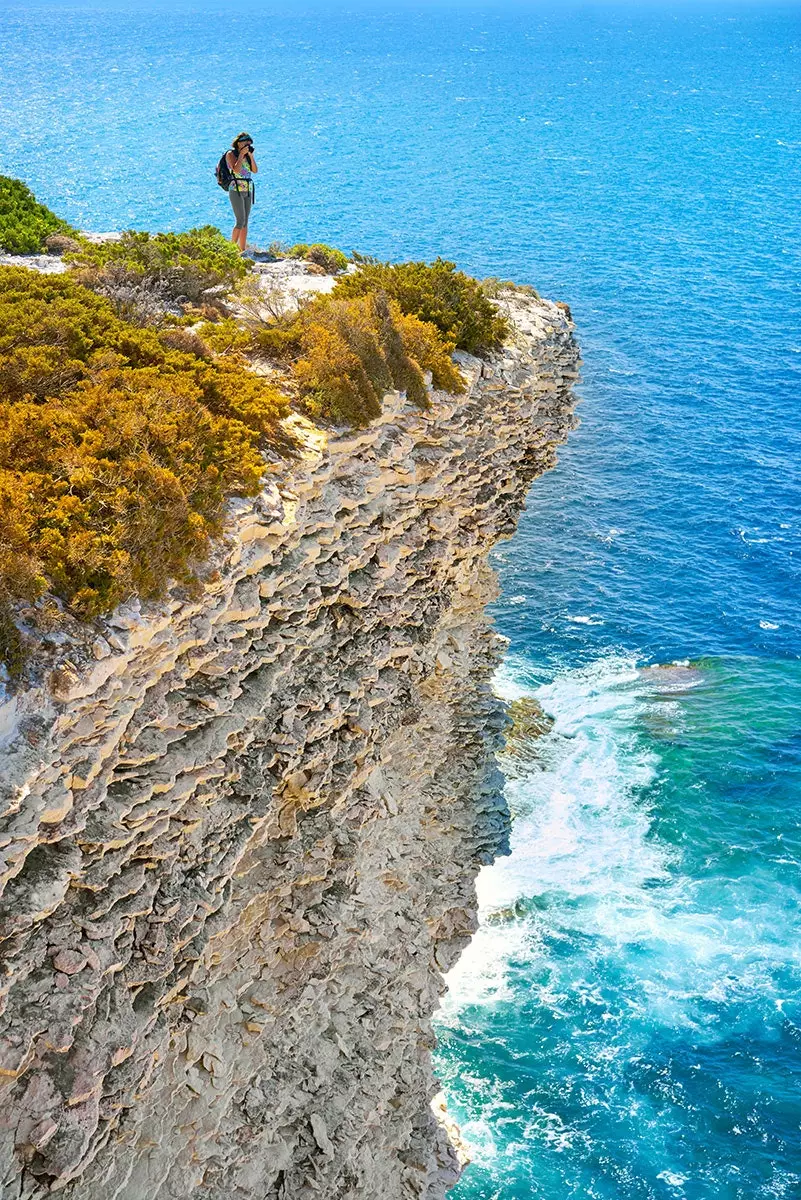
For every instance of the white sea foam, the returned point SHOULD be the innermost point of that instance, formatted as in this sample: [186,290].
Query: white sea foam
[583,835]
[586,865]
[579,833]
[672,1179]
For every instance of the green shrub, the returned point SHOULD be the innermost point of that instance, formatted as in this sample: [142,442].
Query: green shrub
[364,260]
[24,223]
[184,264]
[280,342]
[225,337]
[494,287]
[437,293]
[118,446]
[329,258]
[353,351]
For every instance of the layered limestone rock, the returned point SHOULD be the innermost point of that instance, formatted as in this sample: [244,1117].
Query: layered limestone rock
[239,836]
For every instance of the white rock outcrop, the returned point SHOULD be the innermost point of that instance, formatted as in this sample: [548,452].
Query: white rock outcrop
[239,834]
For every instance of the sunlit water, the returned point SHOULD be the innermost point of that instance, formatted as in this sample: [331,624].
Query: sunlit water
[626,1025]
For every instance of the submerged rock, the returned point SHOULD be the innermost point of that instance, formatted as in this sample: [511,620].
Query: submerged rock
[672,677]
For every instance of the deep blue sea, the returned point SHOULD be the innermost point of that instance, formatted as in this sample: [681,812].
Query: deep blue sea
[627,1025]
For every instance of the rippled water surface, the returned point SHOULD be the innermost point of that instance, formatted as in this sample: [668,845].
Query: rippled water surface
[627,1024]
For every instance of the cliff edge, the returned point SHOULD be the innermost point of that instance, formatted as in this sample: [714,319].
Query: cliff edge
[239,832]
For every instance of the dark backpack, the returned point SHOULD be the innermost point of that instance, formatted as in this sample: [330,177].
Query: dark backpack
[223,173]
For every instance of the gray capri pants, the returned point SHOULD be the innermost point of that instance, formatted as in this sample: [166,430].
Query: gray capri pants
[241,203]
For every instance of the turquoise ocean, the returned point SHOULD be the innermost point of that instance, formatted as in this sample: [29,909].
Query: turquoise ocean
[627,1024]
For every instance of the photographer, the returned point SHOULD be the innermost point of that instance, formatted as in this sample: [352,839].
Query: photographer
[242,165]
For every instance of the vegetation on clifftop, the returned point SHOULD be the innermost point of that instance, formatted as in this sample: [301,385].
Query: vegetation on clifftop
[327,258]
[354,351]
[435,292]
[127,421]
[185,265]
[117,450]
[24,222]
[345,354]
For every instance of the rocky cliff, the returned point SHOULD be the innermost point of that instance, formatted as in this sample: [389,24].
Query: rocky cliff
[240,831]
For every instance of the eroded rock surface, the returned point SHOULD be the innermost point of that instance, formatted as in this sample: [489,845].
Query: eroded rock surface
[239,839]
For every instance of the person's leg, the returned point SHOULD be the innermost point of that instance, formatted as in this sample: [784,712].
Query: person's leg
[247,199]
[240,219]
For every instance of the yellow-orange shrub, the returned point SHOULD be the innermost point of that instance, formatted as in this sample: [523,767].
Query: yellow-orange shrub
[437,293]
[353,351]
[117,450]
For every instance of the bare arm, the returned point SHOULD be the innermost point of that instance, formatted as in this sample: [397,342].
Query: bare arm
[235,161]
[253,166]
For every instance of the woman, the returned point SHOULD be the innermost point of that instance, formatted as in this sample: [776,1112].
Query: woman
[242,165]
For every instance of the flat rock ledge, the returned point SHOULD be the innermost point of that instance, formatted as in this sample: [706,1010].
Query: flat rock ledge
[238,841]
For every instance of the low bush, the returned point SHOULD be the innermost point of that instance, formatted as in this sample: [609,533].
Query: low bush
[24,222]
[261,300]
[62,243]
[495,287]
[136,298]
[352,351]
[280,342]
[118,446]
[185,264]
[329,258]
[437,293]
[226,337]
